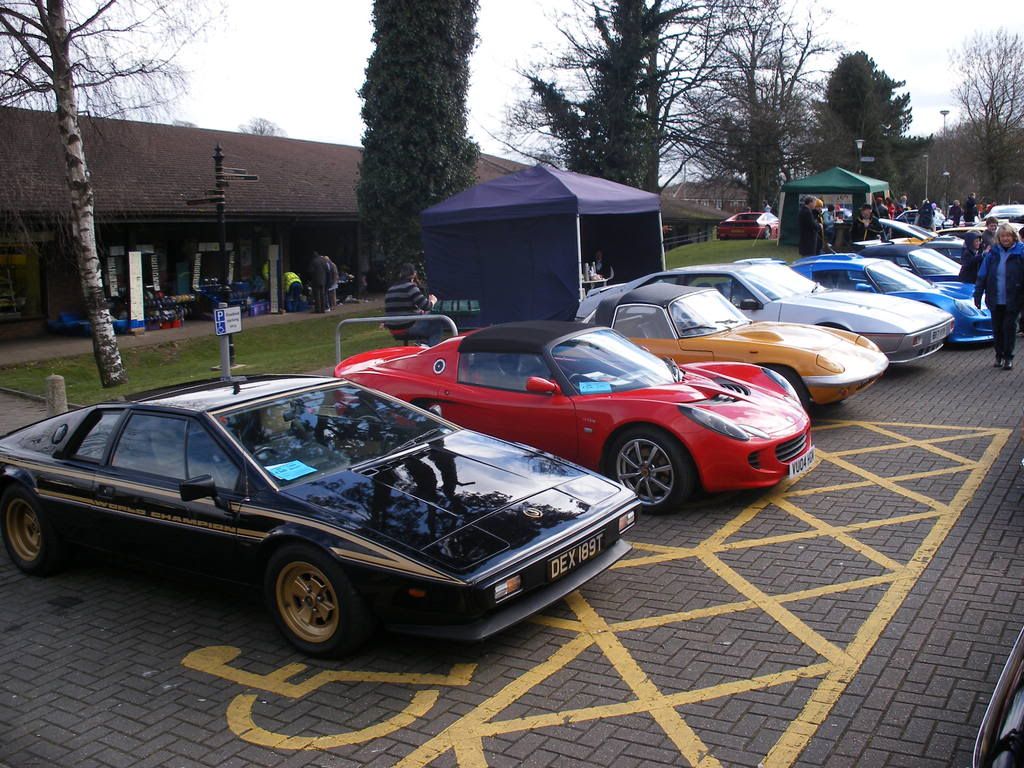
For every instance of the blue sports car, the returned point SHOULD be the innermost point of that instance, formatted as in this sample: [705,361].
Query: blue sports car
[854,273]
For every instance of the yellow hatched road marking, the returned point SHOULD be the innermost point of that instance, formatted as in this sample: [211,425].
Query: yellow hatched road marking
[465,738]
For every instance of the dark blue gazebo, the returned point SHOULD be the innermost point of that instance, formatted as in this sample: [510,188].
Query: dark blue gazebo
[517,244]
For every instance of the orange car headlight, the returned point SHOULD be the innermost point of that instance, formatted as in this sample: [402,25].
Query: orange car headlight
[829,365]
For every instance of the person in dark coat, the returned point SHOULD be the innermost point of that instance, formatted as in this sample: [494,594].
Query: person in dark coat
[867,227]
[925,215]
[970,209]
[318,273]
[819,218]
[880,209]
[956,213]
[970,258]
[808,227]
[1001,281]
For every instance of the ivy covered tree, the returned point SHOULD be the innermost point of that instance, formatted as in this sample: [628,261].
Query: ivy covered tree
[415,149]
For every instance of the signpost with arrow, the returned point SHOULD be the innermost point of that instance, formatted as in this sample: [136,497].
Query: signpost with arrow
[218,197]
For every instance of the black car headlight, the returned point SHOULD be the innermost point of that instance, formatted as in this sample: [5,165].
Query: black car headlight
[714,422]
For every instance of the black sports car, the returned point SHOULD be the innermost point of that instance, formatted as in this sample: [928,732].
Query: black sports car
[349,505]
[934,261]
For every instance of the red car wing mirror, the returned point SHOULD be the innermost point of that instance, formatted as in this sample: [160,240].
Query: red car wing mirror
[540,386]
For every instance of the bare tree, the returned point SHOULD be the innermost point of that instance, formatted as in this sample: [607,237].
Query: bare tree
[993,106]
[761,130]
[114,57]
[260,126]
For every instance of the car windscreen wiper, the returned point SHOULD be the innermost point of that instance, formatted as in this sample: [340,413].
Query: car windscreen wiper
[418,439]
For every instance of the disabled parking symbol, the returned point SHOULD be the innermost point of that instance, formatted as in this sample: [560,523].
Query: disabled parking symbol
[217,661]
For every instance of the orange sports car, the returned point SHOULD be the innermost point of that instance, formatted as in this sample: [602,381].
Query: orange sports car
[693,325]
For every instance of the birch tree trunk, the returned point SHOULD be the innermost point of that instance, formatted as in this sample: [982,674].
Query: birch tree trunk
[83,230]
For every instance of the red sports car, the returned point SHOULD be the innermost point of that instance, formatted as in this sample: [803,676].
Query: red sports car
[592,396]
[749,225]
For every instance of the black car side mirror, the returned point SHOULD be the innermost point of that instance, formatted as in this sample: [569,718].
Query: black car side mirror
[199,487]
[749,304]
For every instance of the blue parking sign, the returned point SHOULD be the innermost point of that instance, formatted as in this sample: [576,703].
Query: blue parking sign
[227,321]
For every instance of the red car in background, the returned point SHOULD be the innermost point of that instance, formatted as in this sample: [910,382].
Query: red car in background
[589,395]
[749,225]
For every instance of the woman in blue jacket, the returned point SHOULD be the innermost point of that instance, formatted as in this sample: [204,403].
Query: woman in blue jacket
[1000,280]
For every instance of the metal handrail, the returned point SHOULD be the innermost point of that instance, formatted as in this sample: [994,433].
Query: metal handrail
[386,319]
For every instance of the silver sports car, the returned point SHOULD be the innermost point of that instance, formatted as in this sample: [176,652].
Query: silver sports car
[766,289]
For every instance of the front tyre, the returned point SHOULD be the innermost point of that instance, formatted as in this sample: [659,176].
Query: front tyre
[654,466]
[28,534]
[313,603]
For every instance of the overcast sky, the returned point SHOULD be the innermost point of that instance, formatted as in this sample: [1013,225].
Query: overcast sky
[301,63]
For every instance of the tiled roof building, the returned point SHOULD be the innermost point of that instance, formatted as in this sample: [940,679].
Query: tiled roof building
[142,175]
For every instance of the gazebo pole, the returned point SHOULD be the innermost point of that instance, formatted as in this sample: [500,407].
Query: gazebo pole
[780,214]
[579,257]
[661,230]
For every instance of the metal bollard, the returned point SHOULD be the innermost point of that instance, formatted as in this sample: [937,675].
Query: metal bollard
[56,395]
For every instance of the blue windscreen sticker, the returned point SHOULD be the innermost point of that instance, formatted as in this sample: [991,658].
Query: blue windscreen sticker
[290,470]
[593,387]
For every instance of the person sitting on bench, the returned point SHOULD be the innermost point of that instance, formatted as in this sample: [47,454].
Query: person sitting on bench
[405,298]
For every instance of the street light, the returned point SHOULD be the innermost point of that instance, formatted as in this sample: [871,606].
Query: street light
[925,175]
[860,146]
[945,157]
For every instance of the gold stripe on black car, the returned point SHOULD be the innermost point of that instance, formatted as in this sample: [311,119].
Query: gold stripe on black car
[376,554]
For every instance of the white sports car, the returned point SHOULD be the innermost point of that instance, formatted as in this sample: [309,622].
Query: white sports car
[766,289]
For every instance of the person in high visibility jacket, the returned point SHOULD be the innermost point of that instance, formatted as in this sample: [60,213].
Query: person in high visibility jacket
[293,290]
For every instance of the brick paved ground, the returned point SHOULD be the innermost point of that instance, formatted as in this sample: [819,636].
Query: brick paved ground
[711,637]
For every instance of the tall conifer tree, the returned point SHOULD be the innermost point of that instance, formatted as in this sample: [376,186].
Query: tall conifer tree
[415,149]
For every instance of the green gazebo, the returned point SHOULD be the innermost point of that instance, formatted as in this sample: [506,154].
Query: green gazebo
[834,181]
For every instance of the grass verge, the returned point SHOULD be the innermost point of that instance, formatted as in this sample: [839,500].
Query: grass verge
[286,348]
[718,251]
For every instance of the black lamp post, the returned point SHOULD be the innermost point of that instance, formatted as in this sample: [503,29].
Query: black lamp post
[945,159]
[860,147]
[925,175]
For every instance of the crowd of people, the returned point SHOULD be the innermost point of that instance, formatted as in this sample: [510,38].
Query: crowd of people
[817,221]
[325,287]
[992,259]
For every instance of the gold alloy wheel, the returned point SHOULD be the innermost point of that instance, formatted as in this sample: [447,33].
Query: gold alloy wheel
[306,601]
[23,531]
